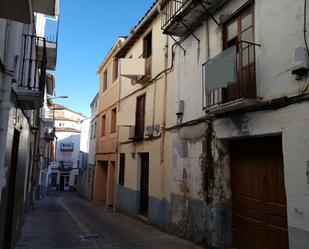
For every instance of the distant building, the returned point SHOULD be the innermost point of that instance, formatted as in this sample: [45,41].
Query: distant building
[83,158]
[63,172]
[86,175]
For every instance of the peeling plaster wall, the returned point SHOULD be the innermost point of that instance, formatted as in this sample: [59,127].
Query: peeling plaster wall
[292,122]
[200,175]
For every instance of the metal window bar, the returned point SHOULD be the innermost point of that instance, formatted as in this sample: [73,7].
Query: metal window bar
[245,85]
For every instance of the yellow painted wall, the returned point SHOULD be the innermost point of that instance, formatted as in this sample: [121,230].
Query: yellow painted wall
[160,154]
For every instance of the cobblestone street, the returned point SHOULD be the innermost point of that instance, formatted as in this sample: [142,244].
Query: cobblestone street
[65,221]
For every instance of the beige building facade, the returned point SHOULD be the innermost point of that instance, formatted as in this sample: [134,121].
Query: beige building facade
[106,129]
[143,186]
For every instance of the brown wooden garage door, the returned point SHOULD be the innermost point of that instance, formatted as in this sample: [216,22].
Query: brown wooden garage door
[259,198]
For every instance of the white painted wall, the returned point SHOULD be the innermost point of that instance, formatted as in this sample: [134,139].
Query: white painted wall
[279,30]
[92,134]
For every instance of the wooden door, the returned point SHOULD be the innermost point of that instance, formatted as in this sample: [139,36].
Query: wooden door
[144,184]
[140,117]
[259,198]
[239,31]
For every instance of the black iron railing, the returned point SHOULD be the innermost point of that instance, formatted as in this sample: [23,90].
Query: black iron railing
[33,67]
[245,85]
[171,10]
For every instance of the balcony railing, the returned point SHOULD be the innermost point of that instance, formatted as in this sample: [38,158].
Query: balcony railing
[33,70]
[230,76]
[138,70]
[31,82]
[180,16]
[147,76]
[65,165]
[50,33]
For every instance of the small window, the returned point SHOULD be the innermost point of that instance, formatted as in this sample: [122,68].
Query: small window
[105,80]
[95,130]
[113,120]
[122,169]
[115,69]
[103,126]
[91,131]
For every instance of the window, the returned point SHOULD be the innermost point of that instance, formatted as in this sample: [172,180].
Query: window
[140,117]
[115,69]
[91,132]
[95,130]
[113,120]
[148,45]
[103,126]
[105,80]
[122,169]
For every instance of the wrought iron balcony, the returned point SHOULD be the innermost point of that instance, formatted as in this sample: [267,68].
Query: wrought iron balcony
[229,79]
[30,86]
[65,165]
[180,16]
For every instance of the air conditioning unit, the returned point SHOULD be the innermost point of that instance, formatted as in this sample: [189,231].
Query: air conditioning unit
[131,132]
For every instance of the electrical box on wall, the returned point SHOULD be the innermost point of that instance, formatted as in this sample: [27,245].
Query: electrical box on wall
[300,62]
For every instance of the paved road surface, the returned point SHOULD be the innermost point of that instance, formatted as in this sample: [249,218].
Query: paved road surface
[65,221]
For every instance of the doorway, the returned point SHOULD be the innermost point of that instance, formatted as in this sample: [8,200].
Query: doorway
[9,218]
[144,184]
[53,181]
[111,184]
[259,198]
[64,182]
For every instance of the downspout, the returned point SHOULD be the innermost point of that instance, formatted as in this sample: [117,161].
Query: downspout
[116,173]
[164,113]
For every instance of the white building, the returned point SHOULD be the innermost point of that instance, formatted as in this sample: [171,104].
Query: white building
[63,172]
[86,177]
[240,175]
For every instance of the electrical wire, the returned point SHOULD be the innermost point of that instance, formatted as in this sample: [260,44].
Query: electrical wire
[306,42]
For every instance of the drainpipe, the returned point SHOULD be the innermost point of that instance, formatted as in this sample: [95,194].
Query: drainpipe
[117,140]
[164,113]
[5,104]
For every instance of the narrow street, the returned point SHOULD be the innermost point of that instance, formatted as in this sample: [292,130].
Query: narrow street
[65,221]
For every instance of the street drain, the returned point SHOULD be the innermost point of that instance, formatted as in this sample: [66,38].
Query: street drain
[89,237]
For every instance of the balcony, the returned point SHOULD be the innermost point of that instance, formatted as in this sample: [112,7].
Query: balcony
[50,33]
[138,70]
[49,134]
[31,85]
[47,7]
[179,16]
[22,13]
[65,165]
[229,79]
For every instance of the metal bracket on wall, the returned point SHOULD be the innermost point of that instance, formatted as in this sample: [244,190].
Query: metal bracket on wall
[208,12]
[190,31]
[178,43]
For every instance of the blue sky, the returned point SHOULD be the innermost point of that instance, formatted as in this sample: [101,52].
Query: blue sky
[88,29]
